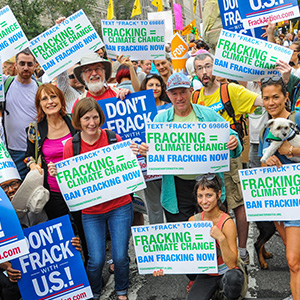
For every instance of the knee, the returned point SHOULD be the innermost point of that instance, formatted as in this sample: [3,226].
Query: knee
[233,281]
[293,262]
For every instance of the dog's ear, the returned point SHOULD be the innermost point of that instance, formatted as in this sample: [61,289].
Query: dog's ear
[269,123]
[292,124]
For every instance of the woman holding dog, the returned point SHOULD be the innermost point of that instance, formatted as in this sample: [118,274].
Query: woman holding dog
[275,98]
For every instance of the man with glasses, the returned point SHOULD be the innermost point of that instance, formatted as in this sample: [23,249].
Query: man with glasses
[19,109]
[242,101]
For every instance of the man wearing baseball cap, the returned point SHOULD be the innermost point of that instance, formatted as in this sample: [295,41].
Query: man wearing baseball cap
[177,191]
[94,73]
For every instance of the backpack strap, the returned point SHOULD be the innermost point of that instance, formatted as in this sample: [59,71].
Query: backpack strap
[111,136]
[195,96]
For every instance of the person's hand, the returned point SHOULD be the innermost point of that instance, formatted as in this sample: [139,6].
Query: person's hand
[76,243]
[274,161]
[285,69]
[121,59]
[269,31]
[216,233]
[134,147]
[60,20]
[158,273]
[122,93]
[233,142]
[13,275]
[143,149]
[52,169]
[35,166]
[284,148]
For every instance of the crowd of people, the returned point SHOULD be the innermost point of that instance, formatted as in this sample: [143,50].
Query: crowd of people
[44,123]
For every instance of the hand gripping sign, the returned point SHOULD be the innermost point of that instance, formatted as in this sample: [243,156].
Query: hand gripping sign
[61,46]
[53,269]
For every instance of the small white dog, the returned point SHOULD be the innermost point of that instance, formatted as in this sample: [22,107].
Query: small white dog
[281,129]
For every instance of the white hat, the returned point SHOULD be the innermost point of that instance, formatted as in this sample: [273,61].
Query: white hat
[31,195]
[8,170]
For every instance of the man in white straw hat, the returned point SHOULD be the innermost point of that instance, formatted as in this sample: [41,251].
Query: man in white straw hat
[94,72]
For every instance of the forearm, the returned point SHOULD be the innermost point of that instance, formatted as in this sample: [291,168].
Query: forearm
[229,257]
[134,79]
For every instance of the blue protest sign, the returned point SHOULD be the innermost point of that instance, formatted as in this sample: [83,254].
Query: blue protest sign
[231,18]
[12,241]
[53,269]
[128,117]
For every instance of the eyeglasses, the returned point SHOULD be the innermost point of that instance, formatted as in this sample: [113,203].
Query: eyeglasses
[24,63]
[208,177]
[273,79]
[207,67]
[71,76]
[90,71]
[14,184]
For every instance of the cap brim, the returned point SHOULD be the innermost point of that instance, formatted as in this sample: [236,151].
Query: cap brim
[179,86]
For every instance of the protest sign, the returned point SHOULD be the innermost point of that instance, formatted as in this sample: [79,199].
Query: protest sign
[53,269]
[12,241]
[143,166]
[232,21]
[168,18]
[12,37]
[128,117]
[271,193]
[240,57]
[98,176]
[63,45]
[256,13]
[179,50]
[137,39]
[176,248]
[1,82]
[187,148]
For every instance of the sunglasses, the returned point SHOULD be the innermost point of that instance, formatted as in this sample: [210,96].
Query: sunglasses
[71,76]
[207,177]
[150,75]
[273,79]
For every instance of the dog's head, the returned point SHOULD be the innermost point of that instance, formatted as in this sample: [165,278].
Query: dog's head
[280,127]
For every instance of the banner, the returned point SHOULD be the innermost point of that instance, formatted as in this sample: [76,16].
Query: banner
[176,248]
[128,117]
[271,193]
[12,37]
[63,45]
[256,13]
[98,176]
[178,16]
[138,39]
[187,148]
[53,269]
[12,241]
[179,50]
[240,57]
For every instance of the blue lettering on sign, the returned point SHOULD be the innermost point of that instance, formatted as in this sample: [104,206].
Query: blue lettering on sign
[218,157]
[205,256]
[254,204]
[217,106]
[15,37]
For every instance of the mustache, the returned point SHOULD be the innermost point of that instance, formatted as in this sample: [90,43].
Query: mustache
[95,77]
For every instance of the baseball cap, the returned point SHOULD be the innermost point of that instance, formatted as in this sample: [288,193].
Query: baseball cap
[178,80]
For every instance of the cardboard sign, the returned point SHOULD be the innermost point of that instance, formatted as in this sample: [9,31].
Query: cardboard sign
[63,45]
[137,39]
[271,193]
[240,57]
[98,176]
[187,148]
[53,269]
[12,37]
[176,248]
[179,53]
[12,241]
[128,117]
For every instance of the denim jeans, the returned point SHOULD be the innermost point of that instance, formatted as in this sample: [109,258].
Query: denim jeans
[18,158]
[119,222]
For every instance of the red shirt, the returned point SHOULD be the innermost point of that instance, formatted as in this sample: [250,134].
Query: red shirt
[109,93]
[102,142]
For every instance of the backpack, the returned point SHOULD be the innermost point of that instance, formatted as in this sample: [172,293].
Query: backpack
[111,138]
[238,125]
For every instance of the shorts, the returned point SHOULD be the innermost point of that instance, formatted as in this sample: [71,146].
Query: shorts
[292,223]
[233,188]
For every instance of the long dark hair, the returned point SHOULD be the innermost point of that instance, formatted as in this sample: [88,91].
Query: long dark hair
[163,95]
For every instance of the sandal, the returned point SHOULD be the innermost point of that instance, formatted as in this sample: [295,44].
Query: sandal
[121,296]
[189,286]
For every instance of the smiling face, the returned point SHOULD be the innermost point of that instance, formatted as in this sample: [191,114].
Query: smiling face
[154,84]
[90,123]
[163,66]
[94,77]
[207,198]
[50,103]
[10,187]
[146,66]
[181,100]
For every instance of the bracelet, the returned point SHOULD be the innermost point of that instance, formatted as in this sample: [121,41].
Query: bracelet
[29,160]
[290,153]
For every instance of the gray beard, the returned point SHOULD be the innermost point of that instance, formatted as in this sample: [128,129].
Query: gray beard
[95,87]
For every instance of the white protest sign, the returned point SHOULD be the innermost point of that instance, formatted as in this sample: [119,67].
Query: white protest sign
[12,37]
[187,148]
[176,248]
[240,57]
[63,45]
[1,82]
[98,176]
[271,193]
[137,39]
[167,16]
